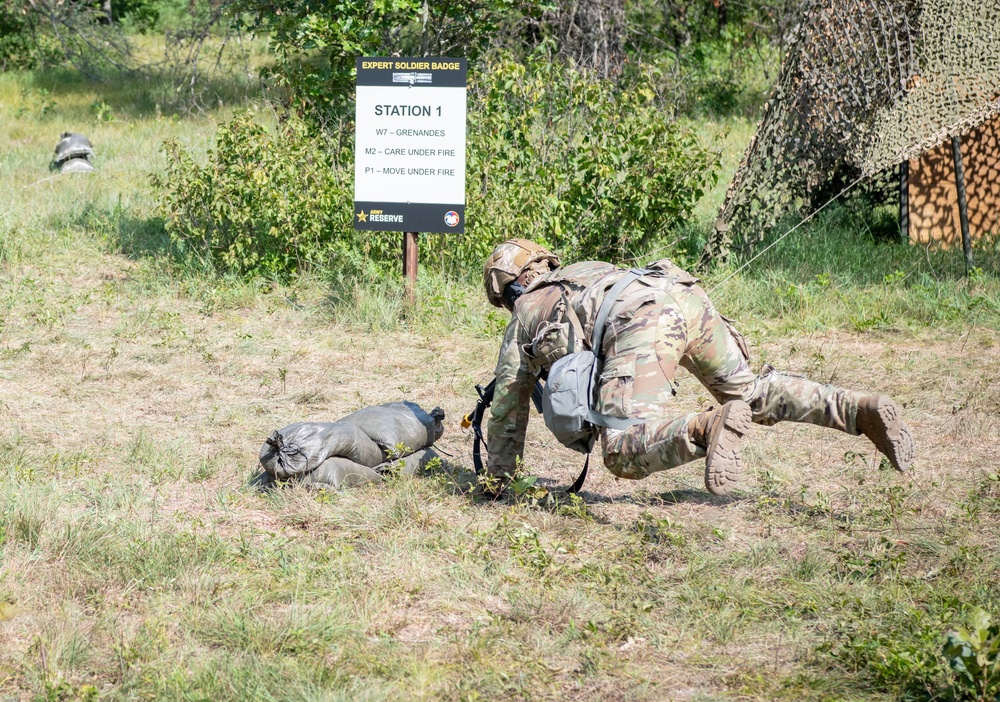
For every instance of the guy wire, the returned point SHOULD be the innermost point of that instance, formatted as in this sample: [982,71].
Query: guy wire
[775,242]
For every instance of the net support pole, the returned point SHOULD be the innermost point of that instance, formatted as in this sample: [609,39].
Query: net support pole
[904,201]
[963,207]
[410,264]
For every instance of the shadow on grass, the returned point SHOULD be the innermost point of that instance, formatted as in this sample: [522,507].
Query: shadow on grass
[146,93]
[859,244]
[670,497]
[558,487]
[132,236]
[139,238]
[545,493]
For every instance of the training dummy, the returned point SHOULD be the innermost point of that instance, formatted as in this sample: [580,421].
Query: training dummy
[358,448]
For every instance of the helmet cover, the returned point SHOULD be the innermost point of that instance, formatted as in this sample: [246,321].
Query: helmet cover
[508,261]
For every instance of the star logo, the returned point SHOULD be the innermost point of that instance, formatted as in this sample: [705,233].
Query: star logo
[362,217]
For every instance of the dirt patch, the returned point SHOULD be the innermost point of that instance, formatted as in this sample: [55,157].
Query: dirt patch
[147,408]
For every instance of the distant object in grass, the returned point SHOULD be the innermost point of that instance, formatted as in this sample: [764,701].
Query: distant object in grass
[73,154]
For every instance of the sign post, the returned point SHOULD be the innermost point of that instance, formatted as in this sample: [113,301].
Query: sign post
[409,154]
[410,259]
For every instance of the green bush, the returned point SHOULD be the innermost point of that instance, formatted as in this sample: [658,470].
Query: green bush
[552,153]
[23,43]
[265,202]
[595,169]
[973,653]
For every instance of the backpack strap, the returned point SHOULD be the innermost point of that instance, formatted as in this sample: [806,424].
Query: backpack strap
[475,419]
[603,420]
[578,483]
[594,417]
[610,298]
[574,320]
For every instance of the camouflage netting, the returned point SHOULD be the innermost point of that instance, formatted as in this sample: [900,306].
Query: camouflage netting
[866,85]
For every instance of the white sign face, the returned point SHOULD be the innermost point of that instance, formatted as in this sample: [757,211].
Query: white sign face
[409,165]
[410,145]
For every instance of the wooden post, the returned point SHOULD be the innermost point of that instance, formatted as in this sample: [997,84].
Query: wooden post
[963,208]
[904,201]
[410,264]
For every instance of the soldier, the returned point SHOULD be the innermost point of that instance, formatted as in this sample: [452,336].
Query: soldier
[660,320]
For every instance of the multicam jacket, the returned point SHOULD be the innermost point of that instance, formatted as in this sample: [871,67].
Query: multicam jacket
[541,331]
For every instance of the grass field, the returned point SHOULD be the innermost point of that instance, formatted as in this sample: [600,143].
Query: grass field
[137,562]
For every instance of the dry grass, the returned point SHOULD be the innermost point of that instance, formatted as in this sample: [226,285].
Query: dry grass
[131,427]
[137,563]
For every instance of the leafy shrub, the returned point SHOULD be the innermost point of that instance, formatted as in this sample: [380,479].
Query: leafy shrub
[23,44]
[264,203]
[552,153]
[897,652]
[595,169]
[974,654]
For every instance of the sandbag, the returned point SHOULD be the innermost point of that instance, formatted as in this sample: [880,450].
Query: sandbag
[72,146]
[76,165]
[398,424]
[337,472]
[408,465]
[302,447]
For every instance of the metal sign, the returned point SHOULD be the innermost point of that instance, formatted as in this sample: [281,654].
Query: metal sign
[409,154]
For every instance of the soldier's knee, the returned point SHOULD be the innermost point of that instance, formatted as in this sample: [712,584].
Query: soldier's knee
[620,456]
[624,467]
[771,393]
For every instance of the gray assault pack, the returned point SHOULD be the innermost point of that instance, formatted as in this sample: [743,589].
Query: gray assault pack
[567,402]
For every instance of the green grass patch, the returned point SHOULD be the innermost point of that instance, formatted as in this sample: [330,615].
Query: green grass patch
[135,389]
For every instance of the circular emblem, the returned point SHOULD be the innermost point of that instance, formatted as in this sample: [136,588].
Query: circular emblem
[451,218]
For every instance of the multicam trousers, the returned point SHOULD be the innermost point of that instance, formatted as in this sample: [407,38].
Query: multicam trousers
[683,328]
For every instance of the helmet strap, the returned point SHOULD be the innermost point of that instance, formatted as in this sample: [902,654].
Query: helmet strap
[513,291]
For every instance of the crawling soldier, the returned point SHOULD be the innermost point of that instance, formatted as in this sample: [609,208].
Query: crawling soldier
[660,320]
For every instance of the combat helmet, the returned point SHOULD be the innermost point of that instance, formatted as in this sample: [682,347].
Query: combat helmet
[73,154]
[508,261]
[72,146]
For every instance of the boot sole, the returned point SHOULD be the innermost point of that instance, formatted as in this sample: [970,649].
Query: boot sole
[723,464]
[891,435]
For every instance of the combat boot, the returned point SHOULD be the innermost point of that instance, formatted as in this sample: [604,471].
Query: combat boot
[719,431]
[880,419]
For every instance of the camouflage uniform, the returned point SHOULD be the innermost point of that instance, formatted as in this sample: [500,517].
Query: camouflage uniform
[660,320]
